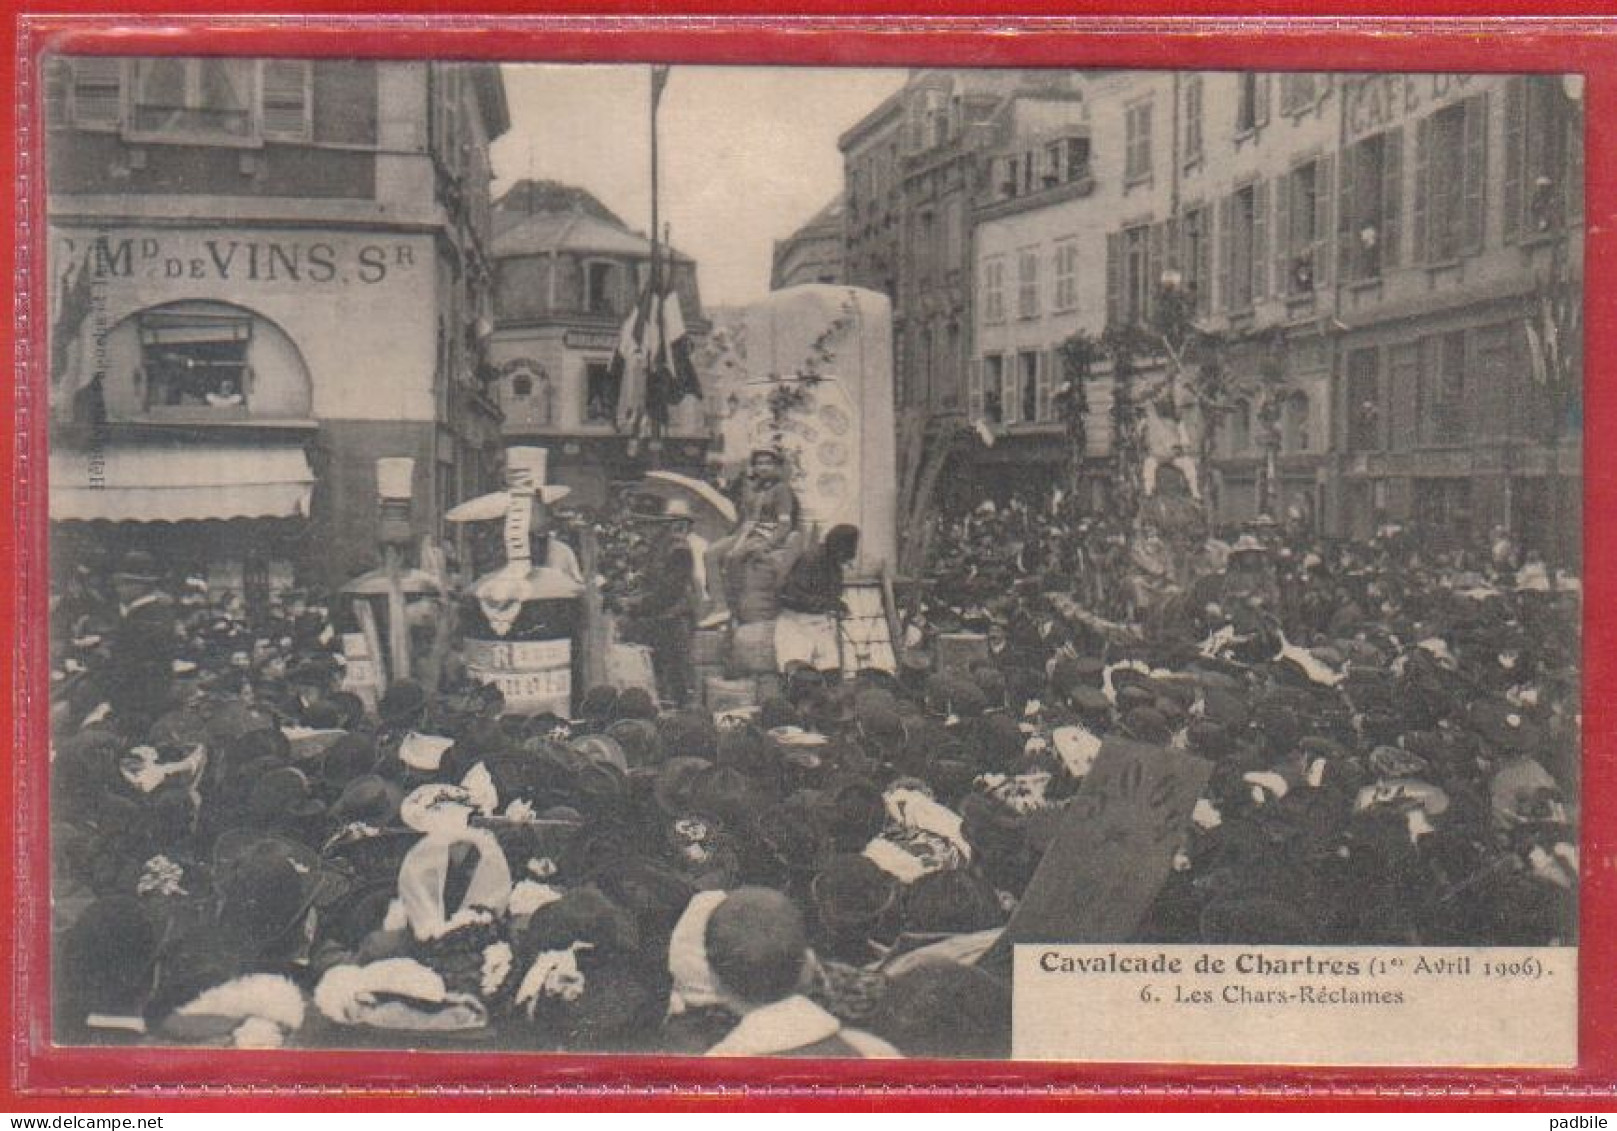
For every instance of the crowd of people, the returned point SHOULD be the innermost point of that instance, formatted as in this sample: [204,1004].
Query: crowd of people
[245,852]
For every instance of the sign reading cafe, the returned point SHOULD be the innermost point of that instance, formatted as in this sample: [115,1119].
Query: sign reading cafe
[235,259]
[1378,102]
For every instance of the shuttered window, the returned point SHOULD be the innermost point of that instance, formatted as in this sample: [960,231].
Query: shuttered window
[1300,93]
[1244,271]
[1251,102]
[1137,143]
[1027,283]
[1371,206]
[1066,257]
[1543,162]
[1440,407]
[285,85]
[1135,274]
[1046,378]
[97,93]
[993,290]
[1195,256]
[1303,202]
[57,76]
[1193,118]
[1451,160]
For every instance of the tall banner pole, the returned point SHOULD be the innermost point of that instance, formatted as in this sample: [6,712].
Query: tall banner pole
[659,79]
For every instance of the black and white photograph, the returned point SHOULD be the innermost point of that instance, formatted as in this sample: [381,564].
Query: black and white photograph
[767,561]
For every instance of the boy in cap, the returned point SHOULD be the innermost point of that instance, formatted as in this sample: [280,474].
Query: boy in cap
[757,949]
[767,511]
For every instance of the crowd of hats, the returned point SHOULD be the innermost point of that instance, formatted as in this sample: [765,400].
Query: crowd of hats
[265,861]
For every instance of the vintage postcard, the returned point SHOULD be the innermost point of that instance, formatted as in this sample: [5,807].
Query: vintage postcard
[1065,565]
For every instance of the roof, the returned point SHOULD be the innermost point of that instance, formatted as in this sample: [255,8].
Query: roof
[545,233]
[828,218]
[885,110]
[530,195]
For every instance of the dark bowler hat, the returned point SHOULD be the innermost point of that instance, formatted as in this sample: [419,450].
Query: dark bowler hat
[136,565]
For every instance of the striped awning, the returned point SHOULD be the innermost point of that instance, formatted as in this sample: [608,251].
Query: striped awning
[180,483]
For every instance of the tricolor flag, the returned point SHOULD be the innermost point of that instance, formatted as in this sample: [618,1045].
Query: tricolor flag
[672,375]
[75,296]
[1554,323]
[628,371]
[652,364]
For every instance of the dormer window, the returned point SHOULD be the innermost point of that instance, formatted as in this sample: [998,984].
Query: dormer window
[601,287]
[1053,164]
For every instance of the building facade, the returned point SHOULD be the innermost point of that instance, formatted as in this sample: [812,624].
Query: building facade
[872,197]
[913,171]
[813,253]
[1046,196]
[1459,362]
[1391,264]
[267,274]
[568,275]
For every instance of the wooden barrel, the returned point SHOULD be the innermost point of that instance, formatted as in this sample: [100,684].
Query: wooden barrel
[752,648]
[534,675]
[728,694]
[961,649]
[760,591]
[704,673]
[707,646]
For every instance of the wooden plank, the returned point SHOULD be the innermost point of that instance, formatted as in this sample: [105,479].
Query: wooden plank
[596,638]
[1114,849]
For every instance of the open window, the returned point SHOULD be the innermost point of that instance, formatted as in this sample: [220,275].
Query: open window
[196,362]
[601,282]
[211,97]
[993,393]
[1251,102]
[601,390]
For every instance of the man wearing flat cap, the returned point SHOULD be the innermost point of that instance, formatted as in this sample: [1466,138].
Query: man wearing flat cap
[139,678]
[665,605]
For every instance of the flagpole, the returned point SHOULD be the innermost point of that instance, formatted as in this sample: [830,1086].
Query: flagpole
[655,99]
[659,77]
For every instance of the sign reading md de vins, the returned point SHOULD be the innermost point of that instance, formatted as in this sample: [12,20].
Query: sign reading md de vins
[225,258]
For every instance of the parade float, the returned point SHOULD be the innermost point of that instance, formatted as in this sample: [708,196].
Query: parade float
[814,386]
[522,621]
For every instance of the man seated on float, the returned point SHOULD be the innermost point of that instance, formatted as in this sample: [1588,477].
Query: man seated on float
[767,514]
